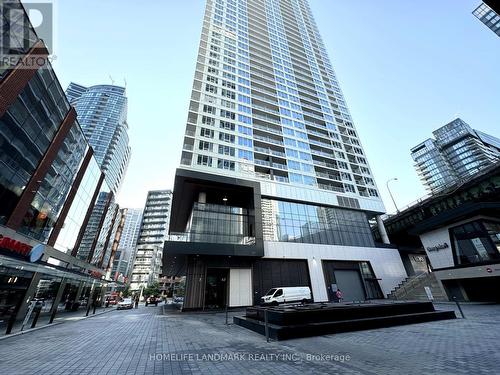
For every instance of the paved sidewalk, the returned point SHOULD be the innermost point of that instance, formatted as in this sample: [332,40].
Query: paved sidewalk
[145,341]
[61,317]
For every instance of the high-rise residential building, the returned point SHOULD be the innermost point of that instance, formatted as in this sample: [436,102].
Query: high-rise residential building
[124,257]
[486,13]
[102,113]
[147,266]
[274,187]
[457,152]
[50,183]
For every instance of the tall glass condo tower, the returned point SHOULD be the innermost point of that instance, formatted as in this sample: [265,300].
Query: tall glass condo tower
[274,188]
[102,112]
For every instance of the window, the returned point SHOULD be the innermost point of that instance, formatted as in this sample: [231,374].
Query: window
[293,165]
[244,99]
[225,164]
[227,125]
[476,242]
[205,146]
[226,150]
[209,133]
[209,109]
[227,114]
[212,79]
[244,130]
[225,137]
[213,62]
[242,141]
[244,108]
[245,154]
[227,104]
[232,77]
[205,120]
[228,94]
[228,84]
[211,88]
[245,119]
[305,156]
[204,160]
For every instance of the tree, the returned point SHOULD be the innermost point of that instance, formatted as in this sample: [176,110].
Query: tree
[126,292]
[152,290]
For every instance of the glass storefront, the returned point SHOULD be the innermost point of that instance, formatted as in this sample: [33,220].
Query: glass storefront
[296,222]
[476,242]
[13,286]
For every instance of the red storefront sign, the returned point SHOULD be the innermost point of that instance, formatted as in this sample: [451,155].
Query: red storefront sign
[14,246]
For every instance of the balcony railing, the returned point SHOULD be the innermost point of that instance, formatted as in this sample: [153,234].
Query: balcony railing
[210,238]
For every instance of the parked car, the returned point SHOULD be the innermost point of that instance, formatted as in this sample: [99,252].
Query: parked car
[152,300]
[126,303]
[279,295]
[112,299]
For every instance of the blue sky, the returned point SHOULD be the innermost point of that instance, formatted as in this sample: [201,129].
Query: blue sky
[405,67]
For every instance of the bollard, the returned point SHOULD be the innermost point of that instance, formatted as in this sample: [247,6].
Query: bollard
[459,307]
[266,327]
[10,323]
[53,315]
[89,304]
[37,314]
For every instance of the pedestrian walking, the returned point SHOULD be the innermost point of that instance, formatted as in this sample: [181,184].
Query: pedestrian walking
[339,295]
[136,301]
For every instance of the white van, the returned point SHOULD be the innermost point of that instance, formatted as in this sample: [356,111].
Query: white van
[287,294]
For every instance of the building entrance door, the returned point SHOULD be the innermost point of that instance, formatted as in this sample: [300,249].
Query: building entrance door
[349,282]
[216,288]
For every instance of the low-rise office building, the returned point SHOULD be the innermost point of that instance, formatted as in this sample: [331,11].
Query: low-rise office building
[458,231]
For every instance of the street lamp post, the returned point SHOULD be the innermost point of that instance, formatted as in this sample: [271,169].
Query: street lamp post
[390,193]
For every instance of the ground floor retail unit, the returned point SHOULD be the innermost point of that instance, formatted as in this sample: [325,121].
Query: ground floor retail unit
[212,282]
[36,277]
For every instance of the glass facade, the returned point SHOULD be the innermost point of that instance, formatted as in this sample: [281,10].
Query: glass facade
[102,113]
[94,228]
[50,197]
[221,224]
[476,242]
[266,103]
[125,254]
[26,131]
[489,17]
[295,222]
[66,239]
[105,235]
[457,152]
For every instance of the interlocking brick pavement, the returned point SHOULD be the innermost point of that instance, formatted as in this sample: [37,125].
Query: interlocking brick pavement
[146,341]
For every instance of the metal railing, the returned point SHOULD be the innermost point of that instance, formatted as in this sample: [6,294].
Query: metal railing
[210,238]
